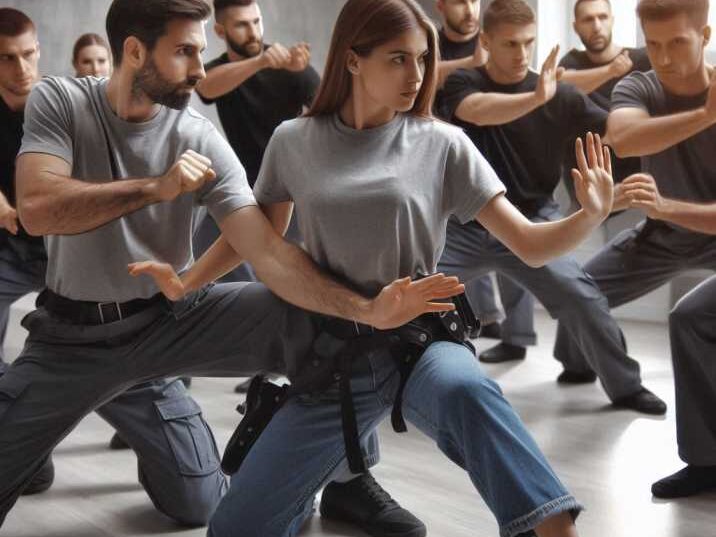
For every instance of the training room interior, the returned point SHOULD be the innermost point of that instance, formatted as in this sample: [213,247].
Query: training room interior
[607,458]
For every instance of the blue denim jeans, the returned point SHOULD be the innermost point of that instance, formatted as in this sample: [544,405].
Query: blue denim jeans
[447,397]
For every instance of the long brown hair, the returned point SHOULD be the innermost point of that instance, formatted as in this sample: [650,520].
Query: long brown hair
[362,26]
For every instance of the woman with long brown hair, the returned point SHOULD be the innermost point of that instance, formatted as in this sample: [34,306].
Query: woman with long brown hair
[374,179]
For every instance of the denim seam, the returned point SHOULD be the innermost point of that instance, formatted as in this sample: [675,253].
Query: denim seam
[531,520]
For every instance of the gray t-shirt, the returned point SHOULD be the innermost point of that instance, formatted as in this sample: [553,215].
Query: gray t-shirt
[373,204]
[64,118]
[685,171]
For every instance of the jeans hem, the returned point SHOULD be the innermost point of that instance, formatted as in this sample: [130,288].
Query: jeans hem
[530,521]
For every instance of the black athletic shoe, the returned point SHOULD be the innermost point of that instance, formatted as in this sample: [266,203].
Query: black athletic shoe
[489,331]
[116,443]
[576,377]
[42,480]
[642,401]
[503,352]
[362,502]
[186,381]
[686,482]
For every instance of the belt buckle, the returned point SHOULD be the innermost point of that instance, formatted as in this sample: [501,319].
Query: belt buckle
[101,313]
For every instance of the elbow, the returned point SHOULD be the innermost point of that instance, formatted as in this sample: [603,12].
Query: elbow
[619,143]
[534,260]
[30,214]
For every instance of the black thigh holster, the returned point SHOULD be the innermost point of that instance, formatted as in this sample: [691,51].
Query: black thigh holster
[405,344]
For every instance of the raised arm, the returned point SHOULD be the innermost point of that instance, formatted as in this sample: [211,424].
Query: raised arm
[448,67]
[634,133]
[225,78]
[589,80]
[537,244]
[51,202]
[485,109]
[642,192]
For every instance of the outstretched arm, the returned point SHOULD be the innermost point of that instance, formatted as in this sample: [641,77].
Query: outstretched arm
[537,244]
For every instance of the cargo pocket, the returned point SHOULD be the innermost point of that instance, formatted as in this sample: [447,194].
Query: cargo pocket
[189,436]
[11,388]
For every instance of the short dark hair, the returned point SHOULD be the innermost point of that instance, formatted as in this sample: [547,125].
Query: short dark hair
[85,40]
[221,5]
[659,10]
[147,20]
[14,22]
[578,4]
[507,12]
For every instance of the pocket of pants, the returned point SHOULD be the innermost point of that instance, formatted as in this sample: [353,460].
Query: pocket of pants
[11,388]
[189,436]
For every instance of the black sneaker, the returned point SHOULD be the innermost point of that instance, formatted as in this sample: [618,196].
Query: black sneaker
[117,442]
[362,502]
[642,401]
[503,352]
[576,377]
[42,480]
[686,482]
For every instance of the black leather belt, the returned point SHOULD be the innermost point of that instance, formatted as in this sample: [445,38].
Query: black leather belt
[93,313]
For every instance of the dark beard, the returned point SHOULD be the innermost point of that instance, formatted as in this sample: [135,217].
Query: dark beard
[457,29]
[241,50]
[597,50]
[159,90]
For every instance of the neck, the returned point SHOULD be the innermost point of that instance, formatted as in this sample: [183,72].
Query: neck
[498,77]
[127,104]
[691,85]
[358,115]
[457,37]
[13,102]
[606,55]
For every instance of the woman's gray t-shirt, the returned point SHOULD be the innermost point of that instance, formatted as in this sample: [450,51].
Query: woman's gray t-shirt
[373,204]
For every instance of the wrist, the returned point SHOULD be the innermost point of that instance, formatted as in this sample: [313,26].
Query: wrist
[151,191]
[364,311]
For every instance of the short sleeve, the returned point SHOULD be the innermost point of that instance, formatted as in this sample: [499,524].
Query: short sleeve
[48,121]
[470,182]
[308,83]
[230,191]
[458,86]
[270,186]
[569,60]
[631,92]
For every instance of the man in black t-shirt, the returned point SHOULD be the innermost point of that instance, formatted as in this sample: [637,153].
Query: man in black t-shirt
[597,70]
[522,123]
[256,87]
[460,48]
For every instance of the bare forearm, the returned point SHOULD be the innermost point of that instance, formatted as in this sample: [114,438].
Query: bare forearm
[68,206]
[448,67]
[485,109]
[290,273]
[225,78]
[647,136]
[694,216]
[217,261]
[550,240]
[588,80]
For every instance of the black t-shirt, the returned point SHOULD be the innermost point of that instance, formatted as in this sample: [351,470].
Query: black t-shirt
[451,50]
[251,112]
[579,61]
[526,153]
[10,139]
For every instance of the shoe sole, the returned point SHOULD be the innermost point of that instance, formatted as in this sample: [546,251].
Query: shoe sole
[335,517]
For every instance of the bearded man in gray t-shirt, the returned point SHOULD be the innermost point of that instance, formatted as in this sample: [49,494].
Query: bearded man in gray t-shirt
[112,172]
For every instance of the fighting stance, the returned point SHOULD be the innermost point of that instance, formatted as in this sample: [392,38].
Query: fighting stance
[598,68]
[691,327]
[459,43]
[256,86]
[522,121]
[373,108]
[667,117]
[112,171]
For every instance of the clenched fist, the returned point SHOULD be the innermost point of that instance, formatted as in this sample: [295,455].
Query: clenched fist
[188,174]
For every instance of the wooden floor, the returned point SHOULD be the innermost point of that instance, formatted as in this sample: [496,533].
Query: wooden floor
[607,458]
